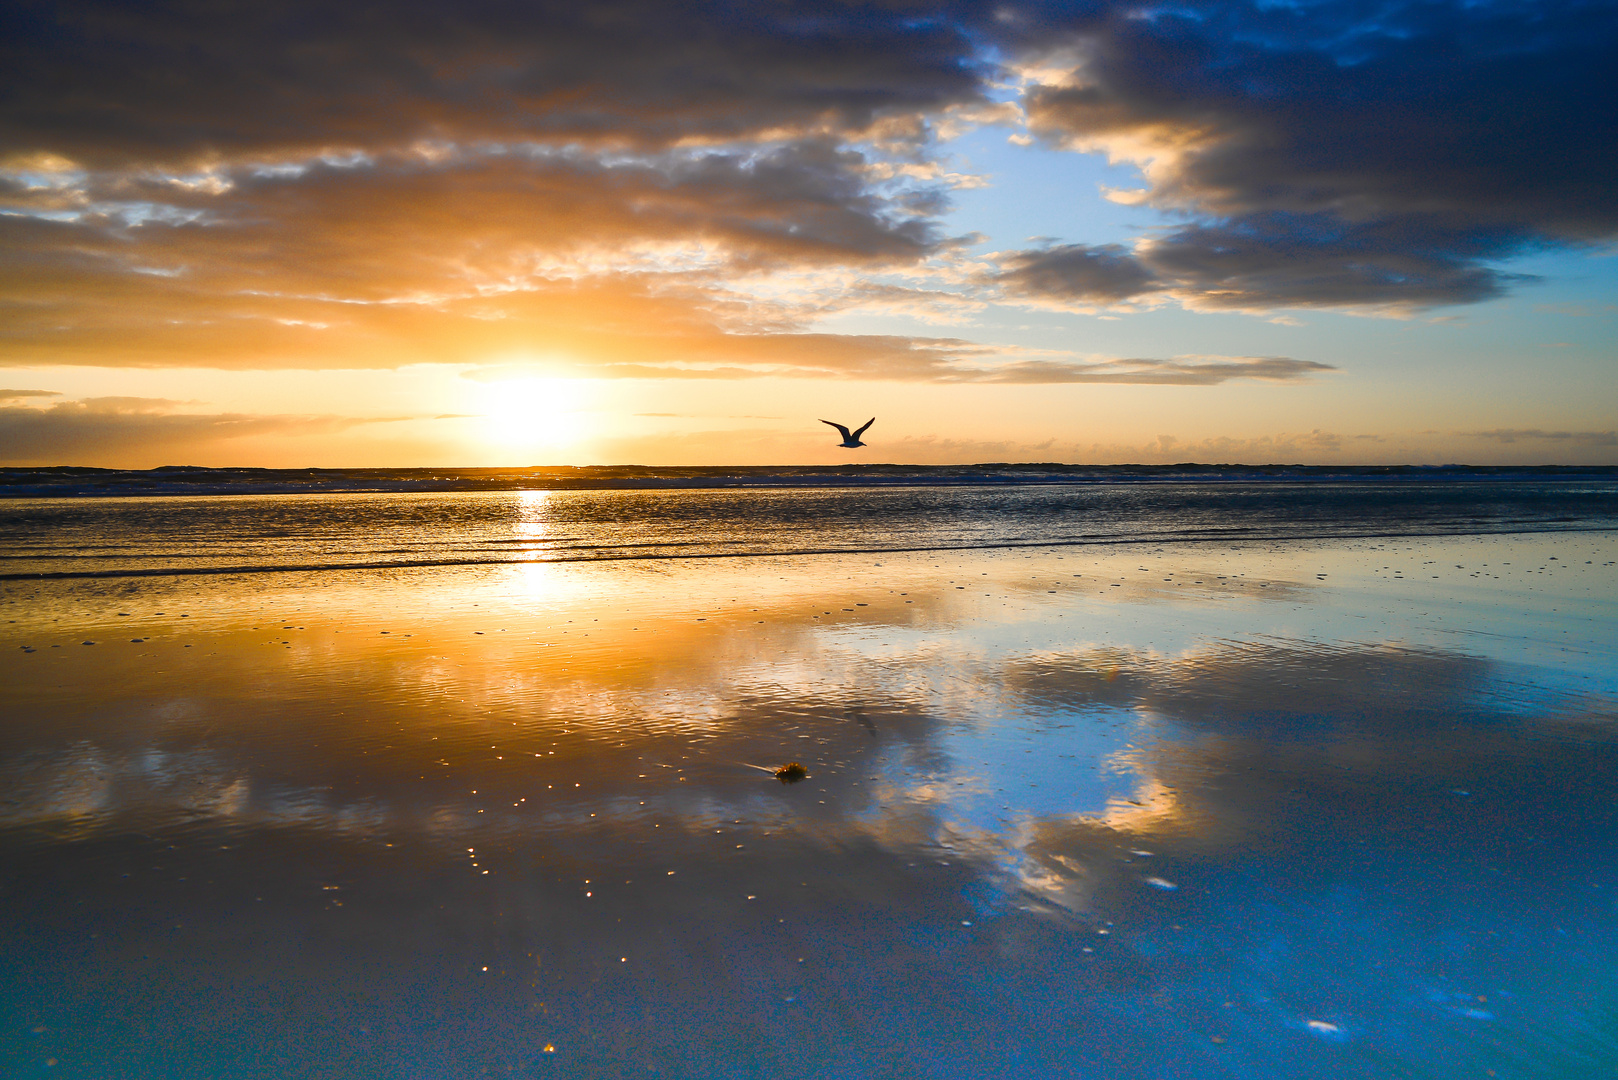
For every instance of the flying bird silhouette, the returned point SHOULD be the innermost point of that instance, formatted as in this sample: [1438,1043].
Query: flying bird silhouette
[851,439]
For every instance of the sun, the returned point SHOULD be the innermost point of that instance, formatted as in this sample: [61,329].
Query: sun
[533,412]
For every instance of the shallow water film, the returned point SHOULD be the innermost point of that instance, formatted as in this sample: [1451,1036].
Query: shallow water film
[1168,809]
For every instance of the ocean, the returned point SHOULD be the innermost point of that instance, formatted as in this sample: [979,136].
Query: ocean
[99,523]
[1152,773]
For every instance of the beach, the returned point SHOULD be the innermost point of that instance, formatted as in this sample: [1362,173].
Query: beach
[1229,805]
[830,540]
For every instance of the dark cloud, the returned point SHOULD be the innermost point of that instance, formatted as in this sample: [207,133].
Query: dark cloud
[1340,153]
[1104,274]
[17,395]
[112,83]
[1269,260]
[1286,261]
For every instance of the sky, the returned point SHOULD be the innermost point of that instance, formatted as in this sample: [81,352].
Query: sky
[525,232]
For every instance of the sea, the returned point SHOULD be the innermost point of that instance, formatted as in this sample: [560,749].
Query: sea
[1146,773]
[164,522]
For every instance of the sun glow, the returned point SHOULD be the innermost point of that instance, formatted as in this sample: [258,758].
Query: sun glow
[534,412]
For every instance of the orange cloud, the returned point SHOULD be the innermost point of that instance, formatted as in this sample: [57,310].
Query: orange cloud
[123,428]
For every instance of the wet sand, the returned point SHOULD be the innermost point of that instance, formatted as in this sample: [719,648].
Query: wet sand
[1318,808]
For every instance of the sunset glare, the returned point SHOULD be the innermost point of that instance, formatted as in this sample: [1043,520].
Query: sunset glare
[532,414]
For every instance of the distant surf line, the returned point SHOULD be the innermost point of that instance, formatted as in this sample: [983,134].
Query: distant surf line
[420,564]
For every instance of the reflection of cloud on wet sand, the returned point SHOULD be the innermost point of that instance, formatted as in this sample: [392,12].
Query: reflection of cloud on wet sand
[1254,747]
[1300,752]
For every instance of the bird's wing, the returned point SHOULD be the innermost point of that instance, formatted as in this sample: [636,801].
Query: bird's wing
[868,423]
[841,428]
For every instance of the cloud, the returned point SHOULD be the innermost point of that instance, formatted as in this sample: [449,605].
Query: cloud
[1265,261]
[1104,274]
[121,84]
[1269,260]
[109,428]
[498,210]
[936,306]
[637,268]
[1576,438]
[939,360]
[624,185]
[1335,155]
[19,395]
[421,258]
[1180,371]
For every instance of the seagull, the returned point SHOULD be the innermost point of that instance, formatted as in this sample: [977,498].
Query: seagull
[851,439]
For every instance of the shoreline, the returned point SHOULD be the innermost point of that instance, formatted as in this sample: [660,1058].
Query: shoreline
[786,553]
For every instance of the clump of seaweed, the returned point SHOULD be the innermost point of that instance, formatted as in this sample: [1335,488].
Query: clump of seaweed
[791,773]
